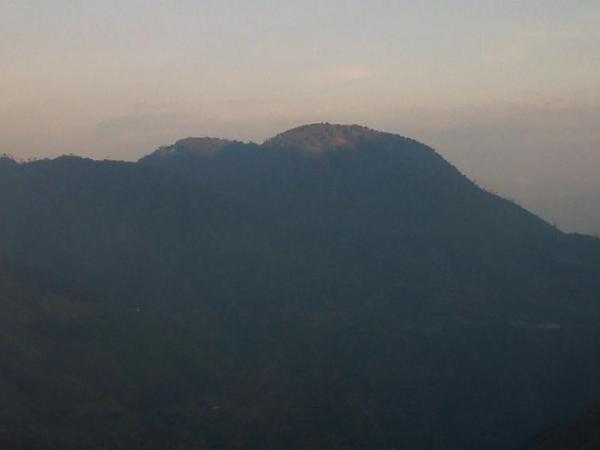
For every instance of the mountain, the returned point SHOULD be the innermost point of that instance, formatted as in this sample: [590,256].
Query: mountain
[335,287]
[55,356]
[580,433]
[391,211]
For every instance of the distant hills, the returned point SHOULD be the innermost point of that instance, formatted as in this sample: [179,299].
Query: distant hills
[333,288]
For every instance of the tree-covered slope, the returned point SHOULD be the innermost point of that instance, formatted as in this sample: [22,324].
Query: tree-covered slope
[332,288]
[386,212]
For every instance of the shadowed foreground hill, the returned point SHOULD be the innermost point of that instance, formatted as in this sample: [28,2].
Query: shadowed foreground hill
[581,433]
[332,288]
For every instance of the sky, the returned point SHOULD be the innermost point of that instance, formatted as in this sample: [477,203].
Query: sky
[506,90]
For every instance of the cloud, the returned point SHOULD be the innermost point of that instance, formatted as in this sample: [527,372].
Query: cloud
[343,74]
[524,45]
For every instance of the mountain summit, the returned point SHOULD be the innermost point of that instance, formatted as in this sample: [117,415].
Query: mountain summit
[316,138]
[310,139]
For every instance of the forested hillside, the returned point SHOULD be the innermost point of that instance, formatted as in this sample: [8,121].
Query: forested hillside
[332,288]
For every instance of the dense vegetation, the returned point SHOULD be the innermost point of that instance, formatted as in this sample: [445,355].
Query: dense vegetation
[332,288]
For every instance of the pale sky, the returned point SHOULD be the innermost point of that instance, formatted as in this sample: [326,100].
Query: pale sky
[507,90]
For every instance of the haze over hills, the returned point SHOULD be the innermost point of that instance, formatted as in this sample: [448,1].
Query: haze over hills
[332,288]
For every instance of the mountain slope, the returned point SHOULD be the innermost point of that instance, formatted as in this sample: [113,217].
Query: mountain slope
[55,351]
[581,433]
[333,288]
[379,205]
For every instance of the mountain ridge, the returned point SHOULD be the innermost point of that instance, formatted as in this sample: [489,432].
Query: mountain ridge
[311,138]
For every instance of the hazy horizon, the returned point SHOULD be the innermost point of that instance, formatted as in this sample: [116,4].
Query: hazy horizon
[507,91]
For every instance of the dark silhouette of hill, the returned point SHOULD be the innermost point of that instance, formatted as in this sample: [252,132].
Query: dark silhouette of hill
[333,288]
